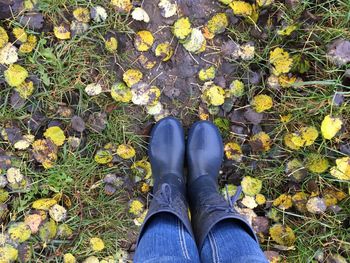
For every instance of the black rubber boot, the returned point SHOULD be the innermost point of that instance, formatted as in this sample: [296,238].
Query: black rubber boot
[208,207]
[167,153]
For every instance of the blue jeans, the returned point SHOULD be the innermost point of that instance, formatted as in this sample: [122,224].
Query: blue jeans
[166,240]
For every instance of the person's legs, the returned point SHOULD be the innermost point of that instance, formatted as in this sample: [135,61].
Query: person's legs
[165,239]
[229,242]
[222,234]
[166,233]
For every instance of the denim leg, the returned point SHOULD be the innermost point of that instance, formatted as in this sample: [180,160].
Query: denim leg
[166,240]
[229,242]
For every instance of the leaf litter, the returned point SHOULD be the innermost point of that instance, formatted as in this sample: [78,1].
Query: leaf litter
[175,57]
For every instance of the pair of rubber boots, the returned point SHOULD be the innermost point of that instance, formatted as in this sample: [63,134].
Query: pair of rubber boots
[204,154]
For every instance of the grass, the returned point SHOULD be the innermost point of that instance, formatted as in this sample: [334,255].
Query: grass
[64,68]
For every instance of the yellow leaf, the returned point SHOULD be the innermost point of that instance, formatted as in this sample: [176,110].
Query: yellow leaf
[233,151]
[261,103]
[241,8]
[236,89]
[281,61]
[182,28]
[342,170]
[97,244]
[282,235]
[44,204]
[20,34]
[121,93]
[286,31]
[62,32]
[316,163]
[82,14]
[132,76]
[260,199]
[206,74]
[142,169]
[111,44]
[4,38]
[284,201]
[143,40]
[289,142]
[8,253]
[15,75]
[125,151]
[218,23]
[330,126]
[103,156]
[56,135]
[26,89]
[260,142]
[264,3]
[214,95]
[69,258]
[48,230]
[122,5]
[251,186]
[19,232]
[136,207]
[164,50]
[300,200]
[45,152]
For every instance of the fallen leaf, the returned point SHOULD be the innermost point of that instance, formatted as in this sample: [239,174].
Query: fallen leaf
[330,126]
[140,14]
[251,186]
[97,244]
[282,235]
[316,205]
[56,135]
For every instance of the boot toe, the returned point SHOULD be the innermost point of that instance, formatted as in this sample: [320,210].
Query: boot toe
[167,146]
[204,149]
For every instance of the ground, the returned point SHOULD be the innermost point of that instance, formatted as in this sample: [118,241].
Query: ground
[272,75]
